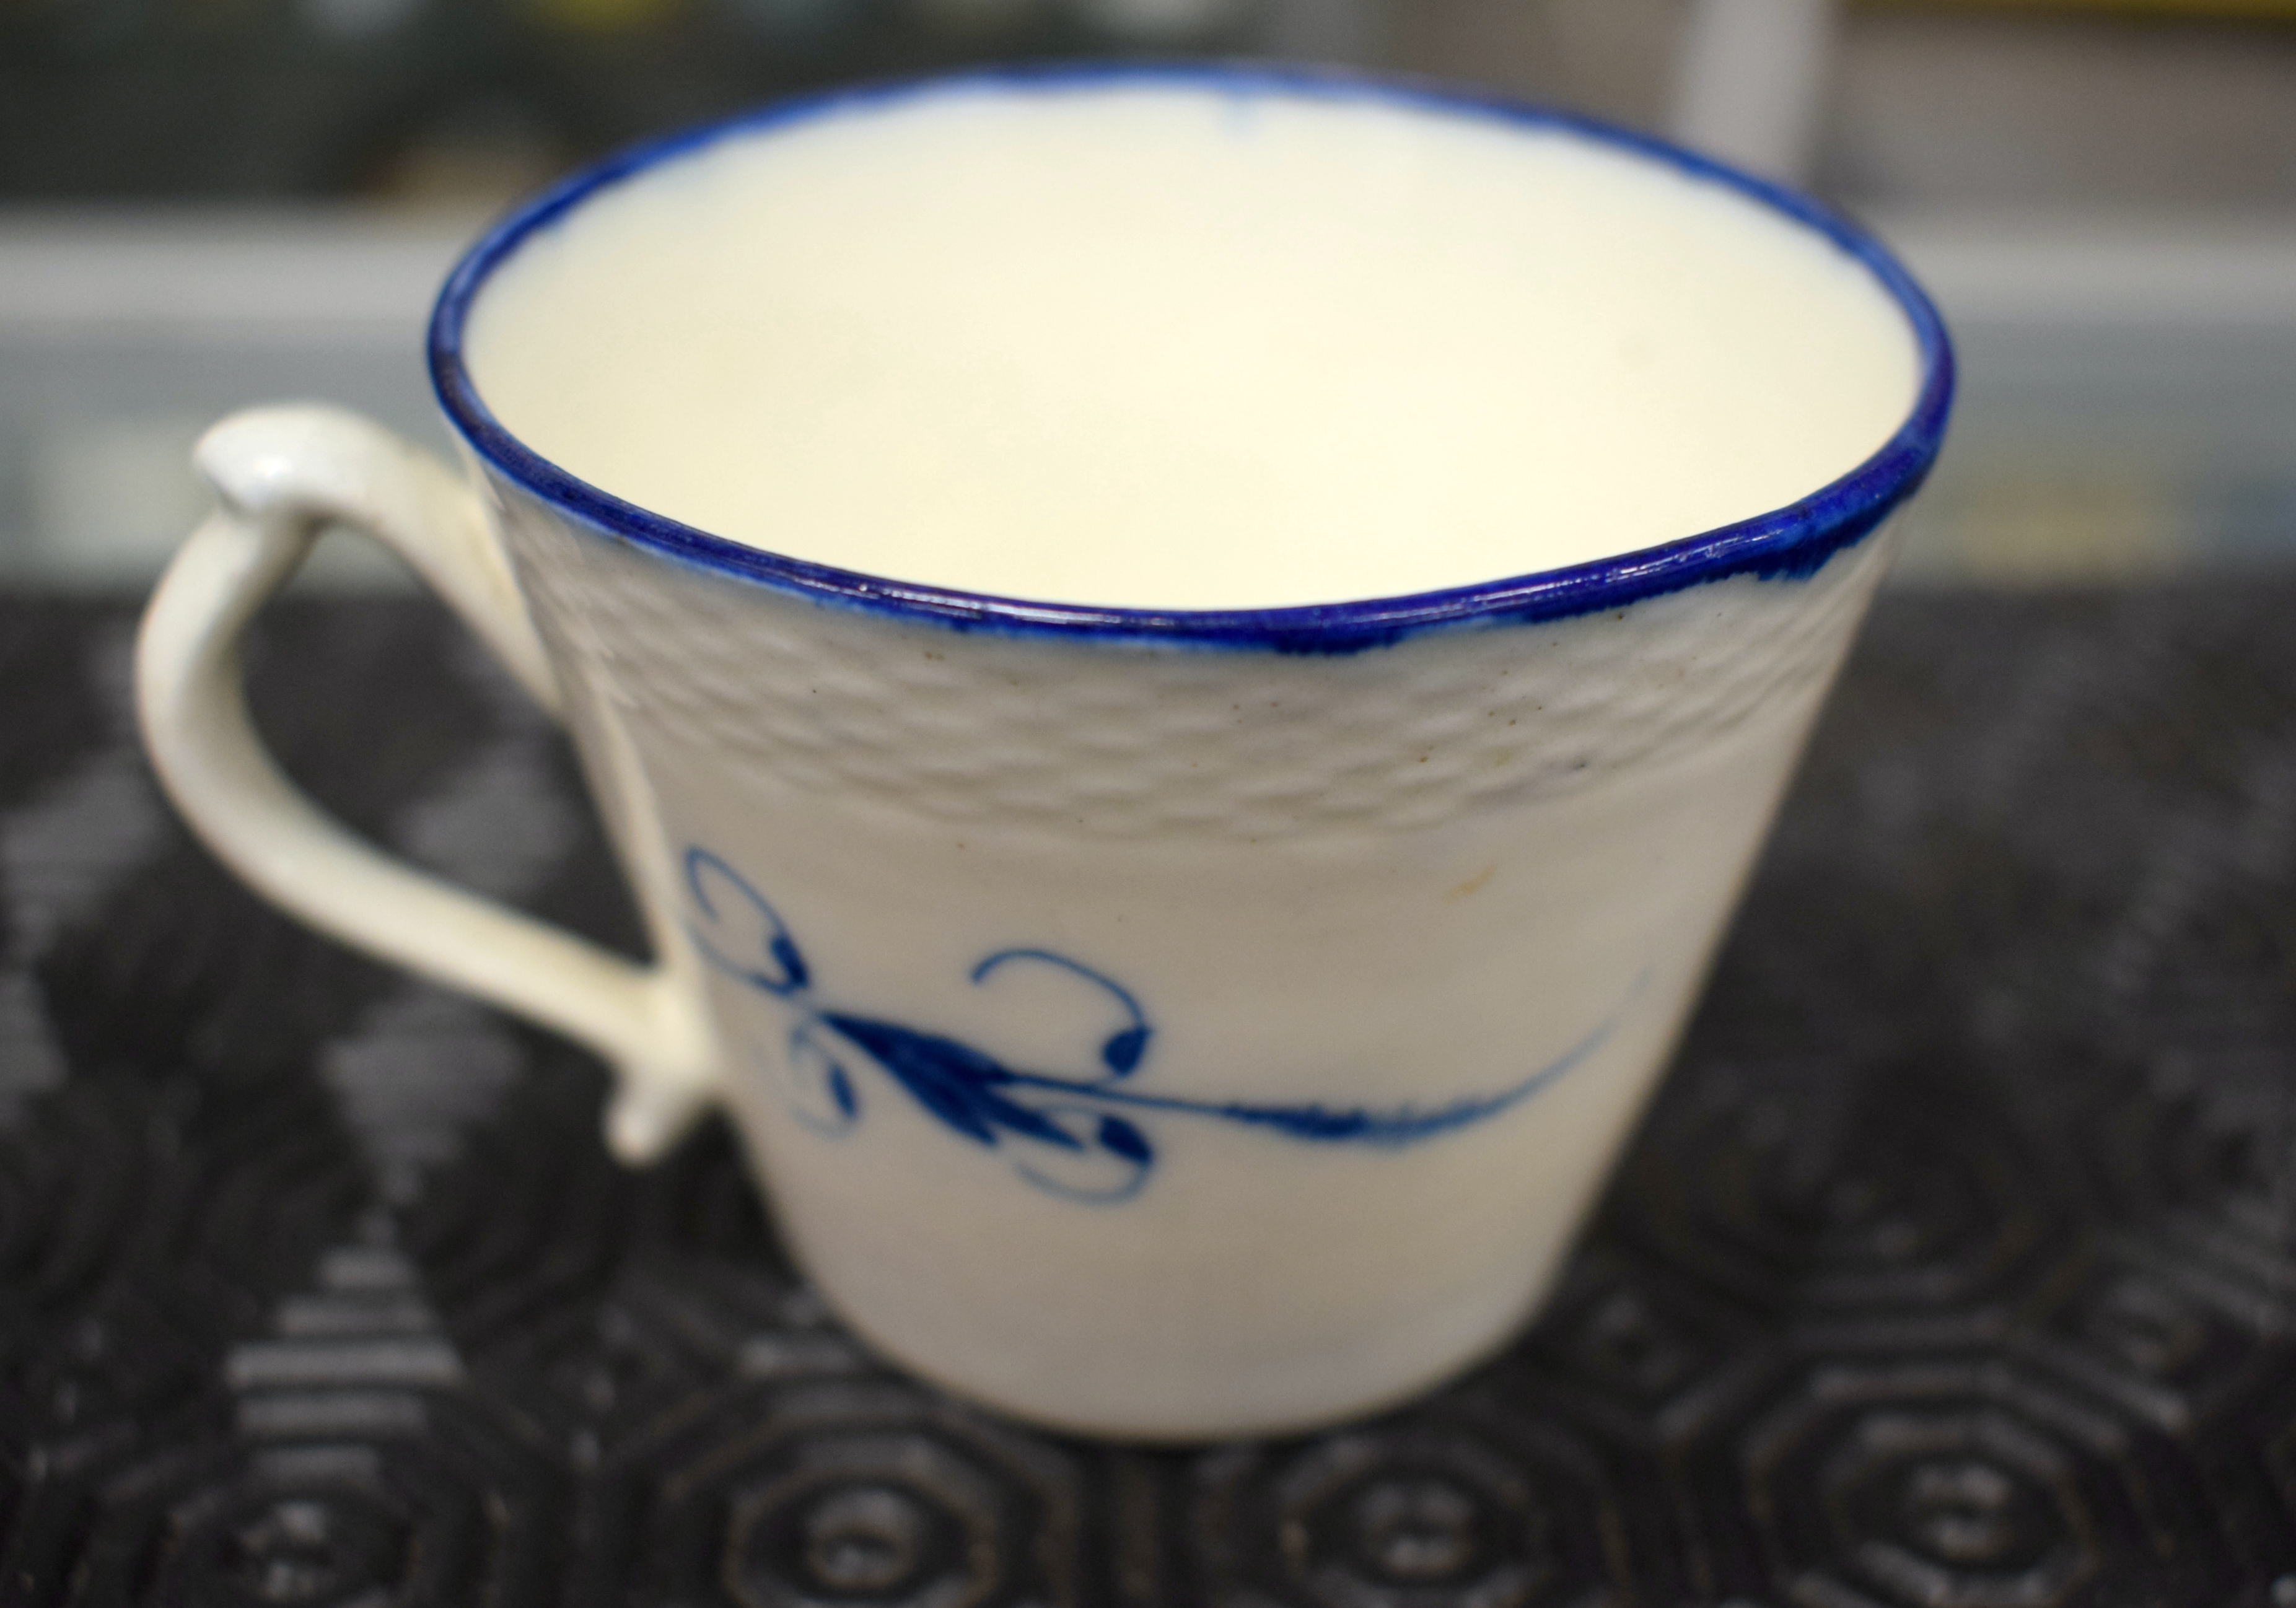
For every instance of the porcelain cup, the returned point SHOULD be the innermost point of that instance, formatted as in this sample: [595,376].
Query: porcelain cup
[1151,1024]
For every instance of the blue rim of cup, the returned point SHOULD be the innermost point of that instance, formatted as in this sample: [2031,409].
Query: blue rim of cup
[1786,544]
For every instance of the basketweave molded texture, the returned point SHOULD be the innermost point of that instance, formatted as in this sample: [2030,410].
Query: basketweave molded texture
[1127,739]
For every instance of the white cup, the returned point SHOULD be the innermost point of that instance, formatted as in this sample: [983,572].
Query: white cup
[1155,1023]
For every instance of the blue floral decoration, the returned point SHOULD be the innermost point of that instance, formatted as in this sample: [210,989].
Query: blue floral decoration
[1078,1134]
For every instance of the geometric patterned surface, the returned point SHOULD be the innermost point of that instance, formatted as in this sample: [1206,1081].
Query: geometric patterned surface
[793,697]
[1954,1267]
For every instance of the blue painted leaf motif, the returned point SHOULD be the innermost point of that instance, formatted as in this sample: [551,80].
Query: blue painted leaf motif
[1105,1156]
[1122,1138]
[783,950]
[821,1091]
[953,1081]
[1122,1053]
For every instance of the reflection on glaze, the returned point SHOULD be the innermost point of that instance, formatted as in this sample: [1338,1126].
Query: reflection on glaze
[1076,1135]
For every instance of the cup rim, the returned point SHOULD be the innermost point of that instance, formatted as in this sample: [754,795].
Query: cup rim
[1793,541]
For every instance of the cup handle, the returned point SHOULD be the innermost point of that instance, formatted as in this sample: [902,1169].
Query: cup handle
[281,475]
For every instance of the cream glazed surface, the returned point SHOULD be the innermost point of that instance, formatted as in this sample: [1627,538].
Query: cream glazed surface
[1392,946]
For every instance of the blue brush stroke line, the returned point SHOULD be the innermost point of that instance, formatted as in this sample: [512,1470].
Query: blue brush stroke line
[953,1081]
[956,1083]
[1122,1050]
[1354,1125]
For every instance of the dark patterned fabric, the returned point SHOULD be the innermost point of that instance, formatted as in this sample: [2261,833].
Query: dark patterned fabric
[1955,1267]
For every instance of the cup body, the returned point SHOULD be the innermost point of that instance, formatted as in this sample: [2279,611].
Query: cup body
[1187,1025]
[1331,983]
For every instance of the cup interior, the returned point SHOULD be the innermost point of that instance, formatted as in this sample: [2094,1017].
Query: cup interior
[1243,356]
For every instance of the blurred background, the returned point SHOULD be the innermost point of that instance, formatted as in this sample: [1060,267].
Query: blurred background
[210,203]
